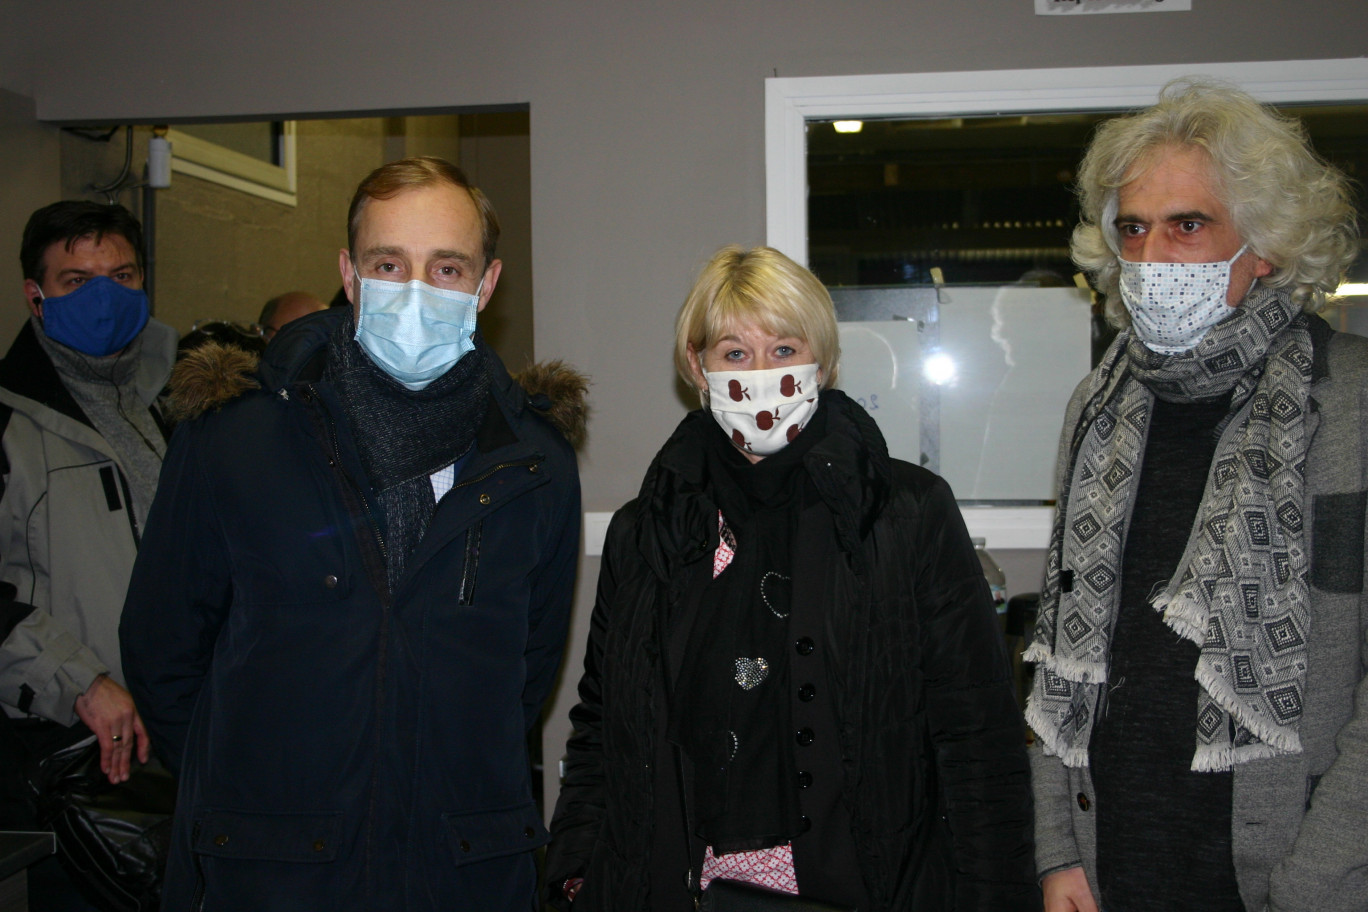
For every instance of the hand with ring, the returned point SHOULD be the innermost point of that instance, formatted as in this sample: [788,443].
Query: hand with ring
[108,711]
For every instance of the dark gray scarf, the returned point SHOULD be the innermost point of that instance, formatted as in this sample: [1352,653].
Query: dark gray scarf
[1240,592]
[404,435]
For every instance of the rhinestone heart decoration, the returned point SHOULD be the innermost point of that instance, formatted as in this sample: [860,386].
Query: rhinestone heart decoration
[776,590]
[750,672]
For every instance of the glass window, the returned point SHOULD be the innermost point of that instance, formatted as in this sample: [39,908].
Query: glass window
[945,243]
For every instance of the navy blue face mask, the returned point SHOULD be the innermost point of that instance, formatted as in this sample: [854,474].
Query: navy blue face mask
[99,318]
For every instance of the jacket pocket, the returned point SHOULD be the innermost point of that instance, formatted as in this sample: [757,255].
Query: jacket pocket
[471,564]
[1337,542]
[307,838]
[482,835]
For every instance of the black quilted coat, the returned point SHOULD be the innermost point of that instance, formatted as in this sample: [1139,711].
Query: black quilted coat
[933,772]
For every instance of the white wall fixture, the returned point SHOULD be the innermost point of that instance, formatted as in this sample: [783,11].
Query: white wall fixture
[220,165]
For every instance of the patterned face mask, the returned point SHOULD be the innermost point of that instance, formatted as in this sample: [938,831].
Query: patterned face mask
[1172,305]
[763,410]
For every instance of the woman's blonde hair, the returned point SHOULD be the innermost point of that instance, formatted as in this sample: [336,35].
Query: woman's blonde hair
[1293,209]
[759,286]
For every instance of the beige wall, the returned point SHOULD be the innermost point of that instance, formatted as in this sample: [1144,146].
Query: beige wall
[221,253]
[647,126]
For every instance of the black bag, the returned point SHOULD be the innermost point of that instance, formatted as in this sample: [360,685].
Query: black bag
[112,839]
[732,896]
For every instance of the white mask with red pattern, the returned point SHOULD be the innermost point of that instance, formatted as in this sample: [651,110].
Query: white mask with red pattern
[763,410]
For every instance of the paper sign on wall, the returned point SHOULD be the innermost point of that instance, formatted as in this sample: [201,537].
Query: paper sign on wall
[1076,7]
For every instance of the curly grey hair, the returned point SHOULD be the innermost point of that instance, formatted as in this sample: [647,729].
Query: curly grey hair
[1293,209]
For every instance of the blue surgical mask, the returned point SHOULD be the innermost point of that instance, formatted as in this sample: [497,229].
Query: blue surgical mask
[413,331]
[99,318]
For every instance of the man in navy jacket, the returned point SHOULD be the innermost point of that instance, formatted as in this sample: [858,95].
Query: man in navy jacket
[353,593]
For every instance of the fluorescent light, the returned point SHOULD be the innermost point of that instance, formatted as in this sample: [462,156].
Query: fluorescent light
[848,126]
[1352,289]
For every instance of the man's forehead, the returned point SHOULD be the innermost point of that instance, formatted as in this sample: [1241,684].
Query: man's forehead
[67,253]
[444,215]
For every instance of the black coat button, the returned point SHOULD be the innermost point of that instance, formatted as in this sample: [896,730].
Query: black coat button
[807,693]
[805,646]
[1083,801]
[465,845]
[805,736]
[319,845]
[221,839]
[804,824]
[529,832]
[804,779]
[330,581]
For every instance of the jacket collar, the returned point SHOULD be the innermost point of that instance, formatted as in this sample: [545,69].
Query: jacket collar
[28,372]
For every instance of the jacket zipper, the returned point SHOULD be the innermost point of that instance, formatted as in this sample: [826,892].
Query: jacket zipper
[492,469]
[381,653]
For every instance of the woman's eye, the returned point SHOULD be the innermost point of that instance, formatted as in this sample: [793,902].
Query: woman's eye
[785,351]
[735,354]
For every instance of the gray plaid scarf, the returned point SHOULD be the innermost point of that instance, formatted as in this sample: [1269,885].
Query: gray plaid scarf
[1240,591]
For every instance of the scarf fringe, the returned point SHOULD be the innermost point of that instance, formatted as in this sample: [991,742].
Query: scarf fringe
[1275,738]
[1079,671]
[1213,758]
[1183,616]
[1047,732]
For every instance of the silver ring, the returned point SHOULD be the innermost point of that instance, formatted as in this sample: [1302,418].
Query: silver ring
[116,737]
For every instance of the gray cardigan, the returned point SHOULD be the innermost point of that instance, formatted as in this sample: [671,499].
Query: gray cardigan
[1298,821]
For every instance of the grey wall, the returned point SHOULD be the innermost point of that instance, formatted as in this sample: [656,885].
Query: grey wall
[647,124]
[29,162]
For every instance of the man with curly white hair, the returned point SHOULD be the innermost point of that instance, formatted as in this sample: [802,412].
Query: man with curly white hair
[1201,643]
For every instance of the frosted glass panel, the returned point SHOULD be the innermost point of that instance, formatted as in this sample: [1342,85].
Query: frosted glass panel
[969,381]
[881,370]
[1019,354]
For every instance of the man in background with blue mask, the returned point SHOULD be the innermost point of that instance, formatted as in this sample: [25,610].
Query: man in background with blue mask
[1200,700]
[354,589]
[83,441]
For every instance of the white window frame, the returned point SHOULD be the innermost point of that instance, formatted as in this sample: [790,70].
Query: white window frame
[229,168]
[790,102]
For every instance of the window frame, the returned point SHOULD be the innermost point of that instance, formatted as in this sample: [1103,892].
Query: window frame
[790,102]
[226,167]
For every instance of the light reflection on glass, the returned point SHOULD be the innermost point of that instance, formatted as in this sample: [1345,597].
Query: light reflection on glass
[939,368]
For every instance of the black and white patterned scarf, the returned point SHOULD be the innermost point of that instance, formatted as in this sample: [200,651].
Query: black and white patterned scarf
[1240,591]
